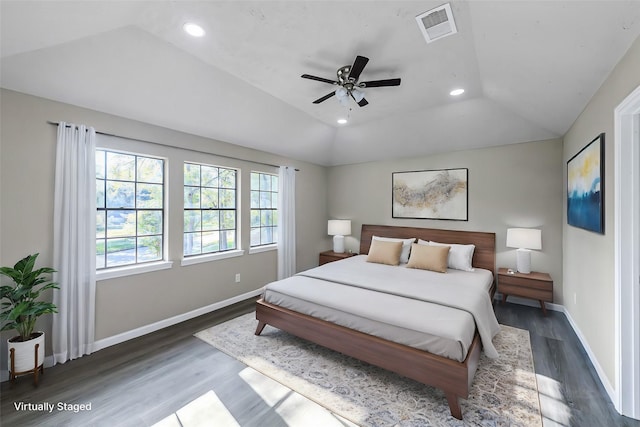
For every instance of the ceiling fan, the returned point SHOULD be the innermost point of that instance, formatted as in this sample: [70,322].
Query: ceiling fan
[348,85]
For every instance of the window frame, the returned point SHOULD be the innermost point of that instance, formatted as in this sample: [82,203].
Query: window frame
[274,209]
[194,258]
[137,266]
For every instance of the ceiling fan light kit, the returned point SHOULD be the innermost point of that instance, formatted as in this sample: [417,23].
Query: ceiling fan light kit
[348,85]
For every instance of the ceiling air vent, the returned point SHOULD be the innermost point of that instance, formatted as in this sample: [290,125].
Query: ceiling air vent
[437,23]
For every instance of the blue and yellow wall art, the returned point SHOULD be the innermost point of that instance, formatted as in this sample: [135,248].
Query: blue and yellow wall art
[585,187]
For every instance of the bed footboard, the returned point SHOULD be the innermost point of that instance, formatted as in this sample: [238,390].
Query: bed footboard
[454,378]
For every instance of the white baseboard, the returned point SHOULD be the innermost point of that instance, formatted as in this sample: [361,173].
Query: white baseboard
[138,332]
[603,378]
[143,330]
[592,358]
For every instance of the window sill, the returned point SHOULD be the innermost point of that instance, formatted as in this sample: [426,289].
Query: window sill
[265,248]
[211,257]
[130,270]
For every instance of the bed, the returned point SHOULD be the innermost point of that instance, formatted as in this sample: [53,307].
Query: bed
[453,374]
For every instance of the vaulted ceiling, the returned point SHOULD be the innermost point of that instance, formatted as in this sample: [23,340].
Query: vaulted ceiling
[528,69]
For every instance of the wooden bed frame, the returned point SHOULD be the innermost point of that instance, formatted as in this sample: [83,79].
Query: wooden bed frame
[453,377]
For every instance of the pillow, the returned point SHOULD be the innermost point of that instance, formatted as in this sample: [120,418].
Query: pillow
[406,246]
[426,257]
[383,252]
[460,256]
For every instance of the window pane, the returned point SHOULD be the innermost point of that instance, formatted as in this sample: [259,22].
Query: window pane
[121,223]
[227,178]
[265,182]
[227,240]
[100,223]
[121,251]
[150,170]
[149,196]
[209,198]
[210,220]
[191,221]
[191,197]
[149,222]
[120,194]
[255,237]
[209,176]
[255,181]
[100,249]
[149,248]
[191,244]
[266,236]
[274,200]
[255,199]
[275,234]
[121,166]
[274,183]
[210,242]
[265,200]
[100,164]
[227,198]
[255,218]
[191,174]
[228,219]
[100,193]
[265,218]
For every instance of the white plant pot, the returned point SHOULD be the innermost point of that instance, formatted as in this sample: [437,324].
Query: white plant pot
[24,353]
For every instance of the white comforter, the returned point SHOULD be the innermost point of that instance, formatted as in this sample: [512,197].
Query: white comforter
[336,284]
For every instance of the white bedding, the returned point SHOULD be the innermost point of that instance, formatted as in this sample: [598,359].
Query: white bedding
[432,311]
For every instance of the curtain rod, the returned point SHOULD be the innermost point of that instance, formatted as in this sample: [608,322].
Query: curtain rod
[173,146]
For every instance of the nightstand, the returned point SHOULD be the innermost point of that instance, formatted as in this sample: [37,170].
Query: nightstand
[534,285]
[330,256]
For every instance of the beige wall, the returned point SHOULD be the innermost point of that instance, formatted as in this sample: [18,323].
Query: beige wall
[123,304]
[588,264]
[517,185]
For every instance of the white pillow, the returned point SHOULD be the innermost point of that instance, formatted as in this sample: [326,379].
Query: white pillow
[460,256]
[406,246]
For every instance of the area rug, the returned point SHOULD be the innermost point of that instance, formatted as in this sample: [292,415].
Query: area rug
[504,390]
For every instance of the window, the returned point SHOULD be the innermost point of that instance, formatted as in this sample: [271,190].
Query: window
[130,209]
[264,209]
[209,209]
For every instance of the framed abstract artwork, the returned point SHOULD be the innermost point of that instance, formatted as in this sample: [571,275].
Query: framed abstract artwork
[431,194]
[585,187]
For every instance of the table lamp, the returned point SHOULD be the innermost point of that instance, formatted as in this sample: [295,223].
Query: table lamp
[524,239]
[338,228]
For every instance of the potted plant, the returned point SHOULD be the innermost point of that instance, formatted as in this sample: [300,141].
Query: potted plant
[20,309]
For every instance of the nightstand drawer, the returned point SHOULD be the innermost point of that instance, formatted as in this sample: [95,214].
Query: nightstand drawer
[524,282]
[526,292]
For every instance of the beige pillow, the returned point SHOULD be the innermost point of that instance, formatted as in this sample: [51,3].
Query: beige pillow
[432,258]
[382,252]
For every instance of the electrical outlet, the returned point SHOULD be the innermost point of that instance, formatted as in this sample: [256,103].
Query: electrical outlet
[237,277]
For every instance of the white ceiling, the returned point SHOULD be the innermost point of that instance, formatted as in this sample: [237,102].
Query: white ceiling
[528,68]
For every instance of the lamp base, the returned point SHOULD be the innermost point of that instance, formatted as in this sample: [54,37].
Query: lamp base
[523,261]
[338,244]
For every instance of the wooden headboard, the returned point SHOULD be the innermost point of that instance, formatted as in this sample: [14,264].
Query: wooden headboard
[484,255]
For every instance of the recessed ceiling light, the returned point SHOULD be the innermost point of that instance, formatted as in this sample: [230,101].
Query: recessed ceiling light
[194,30]
[456,92]
[342,121]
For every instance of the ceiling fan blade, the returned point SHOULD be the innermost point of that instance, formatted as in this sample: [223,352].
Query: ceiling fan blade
[357,67]
[320,79]
[324,98]
[380,83]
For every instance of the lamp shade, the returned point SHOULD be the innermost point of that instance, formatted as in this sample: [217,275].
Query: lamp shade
[339,227]
[524,238]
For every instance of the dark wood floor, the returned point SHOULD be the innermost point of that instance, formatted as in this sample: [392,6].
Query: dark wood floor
[142,381]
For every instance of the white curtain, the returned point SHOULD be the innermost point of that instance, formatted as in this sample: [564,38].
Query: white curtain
[74,239]
[287,222]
